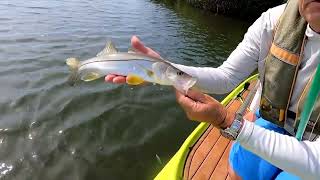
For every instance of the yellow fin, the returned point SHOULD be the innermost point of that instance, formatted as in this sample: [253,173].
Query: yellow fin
[134,79]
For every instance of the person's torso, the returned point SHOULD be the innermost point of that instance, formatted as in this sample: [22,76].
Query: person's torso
[309,61]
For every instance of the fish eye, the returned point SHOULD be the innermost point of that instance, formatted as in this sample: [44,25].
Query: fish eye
[179,73]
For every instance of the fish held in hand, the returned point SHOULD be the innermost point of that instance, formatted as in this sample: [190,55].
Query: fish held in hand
[136,66]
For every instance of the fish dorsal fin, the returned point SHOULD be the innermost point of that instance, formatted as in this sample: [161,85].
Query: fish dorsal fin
[109,49]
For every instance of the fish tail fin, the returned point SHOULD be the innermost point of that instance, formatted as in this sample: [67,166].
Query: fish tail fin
[73,64]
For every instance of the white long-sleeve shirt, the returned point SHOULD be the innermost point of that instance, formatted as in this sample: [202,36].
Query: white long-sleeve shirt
[285,152]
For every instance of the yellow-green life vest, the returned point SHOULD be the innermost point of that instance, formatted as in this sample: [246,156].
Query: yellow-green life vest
[281,68]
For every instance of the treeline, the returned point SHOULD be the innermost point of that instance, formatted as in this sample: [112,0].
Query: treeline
[246,9]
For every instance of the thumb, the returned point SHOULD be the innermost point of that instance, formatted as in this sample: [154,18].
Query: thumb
[138,45]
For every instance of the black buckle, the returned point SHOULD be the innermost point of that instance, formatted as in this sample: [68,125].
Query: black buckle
[291,115]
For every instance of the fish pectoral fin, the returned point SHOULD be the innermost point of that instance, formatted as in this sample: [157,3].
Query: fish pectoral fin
[109,49]
[147,71]
[159,70]
[150,73]
[133,79]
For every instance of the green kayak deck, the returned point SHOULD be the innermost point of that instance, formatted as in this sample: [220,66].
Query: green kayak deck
[188,163]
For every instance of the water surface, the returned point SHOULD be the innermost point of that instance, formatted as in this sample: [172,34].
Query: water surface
[95,130]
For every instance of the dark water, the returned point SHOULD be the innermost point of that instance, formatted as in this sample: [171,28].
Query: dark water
[95,130]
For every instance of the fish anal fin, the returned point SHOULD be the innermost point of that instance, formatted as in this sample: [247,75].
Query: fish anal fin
[90,76]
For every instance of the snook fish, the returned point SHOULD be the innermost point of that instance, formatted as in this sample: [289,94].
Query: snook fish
[136,66]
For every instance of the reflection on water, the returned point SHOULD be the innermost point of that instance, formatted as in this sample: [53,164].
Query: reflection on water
[49,130]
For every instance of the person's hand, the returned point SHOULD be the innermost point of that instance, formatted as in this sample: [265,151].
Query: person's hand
[204,108]
[139,47]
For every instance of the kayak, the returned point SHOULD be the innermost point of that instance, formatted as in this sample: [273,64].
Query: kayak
[176,167]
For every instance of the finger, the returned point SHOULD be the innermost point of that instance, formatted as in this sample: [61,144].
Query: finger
[109,78]
[119,79]
[139,46]
[197,96]
[186,103]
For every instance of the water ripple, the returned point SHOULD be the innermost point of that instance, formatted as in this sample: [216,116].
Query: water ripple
[49,130]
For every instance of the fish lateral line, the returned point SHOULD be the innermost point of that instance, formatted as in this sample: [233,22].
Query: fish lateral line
[146,60]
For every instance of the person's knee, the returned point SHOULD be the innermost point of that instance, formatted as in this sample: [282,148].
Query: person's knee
[244,162]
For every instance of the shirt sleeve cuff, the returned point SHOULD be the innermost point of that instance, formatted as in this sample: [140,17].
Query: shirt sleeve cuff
[246,131]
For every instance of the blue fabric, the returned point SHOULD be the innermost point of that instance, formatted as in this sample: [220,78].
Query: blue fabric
[286,176]
[250,166]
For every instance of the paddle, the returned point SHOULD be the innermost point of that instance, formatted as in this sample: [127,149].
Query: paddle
[309,104]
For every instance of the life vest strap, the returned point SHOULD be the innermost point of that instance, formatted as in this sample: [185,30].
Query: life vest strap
[284,55]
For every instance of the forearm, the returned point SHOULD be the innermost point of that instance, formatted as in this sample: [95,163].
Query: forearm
[239,65]
[226,77]
[301,158]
